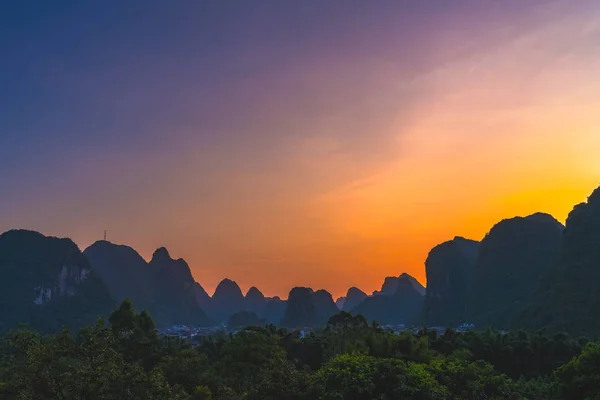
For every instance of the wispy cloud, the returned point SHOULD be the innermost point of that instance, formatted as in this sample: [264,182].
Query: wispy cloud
[271,259]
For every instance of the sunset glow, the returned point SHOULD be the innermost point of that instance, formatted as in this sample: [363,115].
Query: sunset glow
[330,162]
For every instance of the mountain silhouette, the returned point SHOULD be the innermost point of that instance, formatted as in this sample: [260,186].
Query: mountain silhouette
[124,271]
[226,300]
[202,298]
[450,269]
[511,260]
[325,306]
[527,272]
[164,286]
[390,285]
[243,319]
[274,310]
[48,283]
[354,297]
[175,291]
[401,307]
[255,301]
[567,297]
[300,310]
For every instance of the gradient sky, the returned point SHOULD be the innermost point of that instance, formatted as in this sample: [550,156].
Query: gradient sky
[283,143]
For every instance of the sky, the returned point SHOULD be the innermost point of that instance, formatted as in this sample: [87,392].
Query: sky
[295,143]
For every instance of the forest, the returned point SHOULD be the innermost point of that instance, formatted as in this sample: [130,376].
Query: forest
[126,358]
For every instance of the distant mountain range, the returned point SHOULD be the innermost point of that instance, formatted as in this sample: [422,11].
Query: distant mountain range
[164,286]
[528,272]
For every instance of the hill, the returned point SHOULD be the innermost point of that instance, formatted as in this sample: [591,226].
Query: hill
[512,258]
[401,307]
[227,300]
[354,297]
[450,269]
[48,283]
[567,298]
[164,286]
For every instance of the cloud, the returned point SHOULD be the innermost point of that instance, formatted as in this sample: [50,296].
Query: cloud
[271,259]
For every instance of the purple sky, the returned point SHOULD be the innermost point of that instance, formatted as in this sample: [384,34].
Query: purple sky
[275,143]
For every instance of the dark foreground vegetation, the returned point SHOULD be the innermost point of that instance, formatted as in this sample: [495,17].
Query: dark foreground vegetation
[349,359]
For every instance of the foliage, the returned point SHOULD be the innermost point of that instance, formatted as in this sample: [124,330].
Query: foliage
[580,378]
[365,377]
[349,359]
[470,380]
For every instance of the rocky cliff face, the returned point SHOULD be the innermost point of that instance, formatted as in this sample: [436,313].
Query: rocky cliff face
[354,297]
[402,307]
[567,298]
[450,268]
[512,258]
[48,283]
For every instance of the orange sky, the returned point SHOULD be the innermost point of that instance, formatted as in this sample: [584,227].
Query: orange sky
[330,161]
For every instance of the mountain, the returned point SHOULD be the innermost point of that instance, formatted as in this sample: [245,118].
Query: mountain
[226,300]
[174,291]
[325,306]
[165,287]
[48,283]
[274,310]
[307,308]
[300,310]
[339,302]
[168,268]
[402,307]
[567,298]
[124,271]
[244,319]
[202,298]
[450,268]
[415,283]
[511,260]
[255,301]
[390,285]
[354,297]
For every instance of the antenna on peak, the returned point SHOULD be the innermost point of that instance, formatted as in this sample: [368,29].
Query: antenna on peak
[105,235]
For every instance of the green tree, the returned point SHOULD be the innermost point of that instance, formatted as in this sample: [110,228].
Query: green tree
[360,377]
[471,380]
[137,339]
[87,367]
[186,368]
[243,358]
[580,378]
